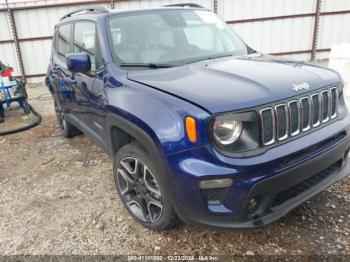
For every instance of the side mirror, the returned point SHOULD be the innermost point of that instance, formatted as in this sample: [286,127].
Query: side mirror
[78,62]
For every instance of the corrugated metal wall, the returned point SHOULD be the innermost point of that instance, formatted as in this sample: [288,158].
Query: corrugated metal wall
[36,53]
[7,50]
[33,23]
[272,36]
[334,29]
[292,34]
[268,36]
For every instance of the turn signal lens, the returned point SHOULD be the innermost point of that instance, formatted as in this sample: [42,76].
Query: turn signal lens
[191,129]
[215,183]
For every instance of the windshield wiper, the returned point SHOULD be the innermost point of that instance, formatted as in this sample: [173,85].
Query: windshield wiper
[148,65]
[209,58]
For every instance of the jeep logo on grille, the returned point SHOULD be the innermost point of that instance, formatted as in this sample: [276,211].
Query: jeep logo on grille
[301,86]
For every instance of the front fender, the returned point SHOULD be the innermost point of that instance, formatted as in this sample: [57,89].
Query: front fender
[158,115]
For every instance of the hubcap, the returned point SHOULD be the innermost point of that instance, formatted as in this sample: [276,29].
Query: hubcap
[139,189]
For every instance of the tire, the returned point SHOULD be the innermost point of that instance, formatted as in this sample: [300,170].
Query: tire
[67,129]
[142,189]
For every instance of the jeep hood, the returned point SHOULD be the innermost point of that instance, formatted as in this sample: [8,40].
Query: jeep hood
[227,84]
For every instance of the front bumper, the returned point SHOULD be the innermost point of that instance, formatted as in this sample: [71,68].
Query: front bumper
[266,192]
[276,188]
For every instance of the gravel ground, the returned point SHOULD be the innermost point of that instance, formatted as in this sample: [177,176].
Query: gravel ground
[57,196]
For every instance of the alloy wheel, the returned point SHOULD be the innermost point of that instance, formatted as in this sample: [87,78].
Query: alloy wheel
[139,190]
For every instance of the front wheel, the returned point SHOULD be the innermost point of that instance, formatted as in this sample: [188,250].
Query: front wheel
[141,188]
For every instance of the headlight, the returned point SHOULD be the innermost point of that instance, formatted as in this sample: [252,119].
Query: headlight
[227,130]
[235,134]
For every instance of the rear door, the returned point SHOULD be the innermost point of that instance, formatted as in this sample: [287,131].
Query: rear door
[60,75]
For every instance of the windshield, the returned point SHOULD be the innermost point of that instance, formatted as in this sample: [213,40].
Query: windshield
[171,37]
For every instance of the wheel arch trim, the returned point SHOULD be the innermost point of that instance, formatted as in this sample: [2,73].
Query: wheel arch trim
[150,142]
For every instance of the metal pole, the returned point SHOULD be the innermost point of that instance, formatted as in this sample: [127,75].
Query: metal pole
[15,38]
[215,6]
[316,29]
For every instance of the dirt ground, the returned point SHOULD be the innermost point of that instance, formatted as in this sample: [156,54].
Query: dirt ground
[57,196]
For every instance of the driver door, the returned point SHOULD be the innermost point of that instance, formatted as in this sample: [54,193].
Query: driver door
[89,89]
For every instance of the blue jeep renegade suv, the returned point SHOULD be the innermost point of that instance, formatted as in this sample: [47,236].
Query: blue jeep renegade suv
[199,125]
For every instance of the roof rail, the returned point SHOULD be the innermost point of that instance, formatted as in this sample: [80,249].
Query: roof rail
[92,10]
[185,5]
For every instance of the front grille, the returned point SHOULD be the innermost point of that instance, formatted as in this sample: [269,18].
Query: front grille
[334,101]
[296,190]
[305,113]
[293,117]
[282,121]
[268,123]
[325,106]
[316,109]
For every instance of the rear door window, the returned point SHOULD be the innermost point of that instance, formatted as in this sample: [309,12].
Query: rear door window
[85,40]
[64,39]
